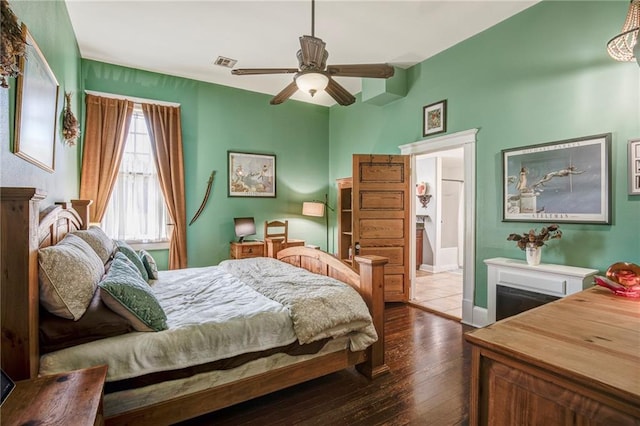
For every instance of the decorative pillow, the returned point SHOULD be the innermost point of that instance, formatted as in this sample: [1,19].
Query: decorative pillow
[69,273]
[98,322]
[99,242]
[124,248]
[149,264]
[124,292]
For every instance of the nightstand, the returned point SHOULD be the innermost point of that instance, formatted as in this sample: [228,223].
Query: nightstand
[246,249]
[72,398]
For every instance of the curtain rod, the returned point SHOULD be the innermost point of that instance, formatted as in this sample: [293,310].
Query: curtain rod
[131,98]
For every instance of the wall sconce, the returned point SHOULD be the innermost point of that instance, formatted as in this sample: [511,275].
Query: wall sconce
[317,209]
[422,190]
[424,199]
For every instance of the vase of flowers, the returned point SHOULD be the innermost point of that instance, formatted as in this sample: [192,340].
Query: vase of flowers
[531,242]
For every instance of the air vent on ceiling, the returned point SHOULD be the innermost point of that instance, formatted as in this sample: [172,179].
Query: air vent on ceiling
[225,62]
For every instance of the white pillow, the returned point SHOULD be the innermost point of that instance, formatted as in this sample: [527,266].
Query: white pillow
[69,274]
[99,242]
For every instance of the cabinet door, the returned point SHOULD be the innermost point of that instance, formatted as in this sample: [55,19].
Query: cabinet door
[381,208]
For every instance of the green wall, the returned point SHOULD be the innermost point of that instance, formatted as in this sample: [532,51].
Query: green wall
[541,76]
[49,24]
[216,119]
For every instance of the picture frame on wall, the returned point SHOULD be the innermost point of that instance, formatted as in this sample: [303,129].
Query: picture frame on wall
[251,175]
[566,181]
[434,118]
[634,167]
[36,107]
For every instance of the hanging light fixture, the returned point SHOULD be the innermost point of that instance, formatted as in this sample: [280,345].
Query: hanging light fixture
[311,82]
[621,46]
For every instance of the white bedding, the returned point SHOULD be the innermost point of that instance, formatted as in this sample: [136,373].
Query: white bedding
[218,318]
[222,316]
[320,306]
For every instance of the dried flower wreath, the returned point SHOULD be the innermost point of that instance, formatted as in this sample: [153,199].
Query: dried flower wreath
[70,126]
[12,44]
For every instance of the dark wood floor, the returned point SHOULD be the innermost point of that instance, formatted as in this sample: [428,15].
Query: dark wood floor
[428,383]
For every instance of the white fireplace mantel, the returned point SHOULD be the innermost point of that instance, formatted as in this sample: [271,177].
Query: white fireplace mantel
[554,280]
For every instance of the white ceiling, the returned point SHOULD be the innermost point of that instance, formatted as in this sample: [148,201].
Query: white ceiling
[183,38]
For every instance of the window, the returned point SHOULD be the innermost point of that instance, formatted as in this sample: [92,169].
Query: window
[136,211]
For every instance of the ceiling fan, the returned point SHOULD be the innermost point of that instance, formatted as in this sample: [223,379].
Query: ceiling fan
[314,74]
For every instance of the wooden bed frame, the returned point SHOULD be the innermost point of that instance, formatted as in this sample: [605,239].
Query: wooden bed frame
[25,228]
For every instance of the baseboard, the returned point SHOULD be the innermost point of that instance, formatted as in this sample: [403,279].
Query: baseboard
[437,269]
[474,316]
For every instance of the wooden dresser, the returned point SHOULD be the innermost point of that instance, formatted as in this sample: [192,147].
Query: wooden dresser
[575,361]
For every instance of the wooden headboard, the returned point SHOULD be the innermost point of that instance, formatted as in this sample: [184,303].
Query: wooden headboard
[25,228]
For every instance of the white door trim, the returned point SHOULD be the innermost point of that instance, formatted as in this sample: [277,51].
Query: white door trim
[466,140]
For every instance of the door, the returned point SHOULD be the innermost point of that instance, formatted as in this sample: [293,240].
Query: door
[381,209]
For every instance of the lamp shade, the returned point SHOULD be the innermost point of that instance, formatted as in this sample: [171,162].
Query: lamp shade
[311,82]
[313,208]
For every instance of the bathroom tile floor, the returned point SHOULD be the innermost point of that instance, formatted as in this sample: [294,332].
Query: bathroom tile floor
[440,293]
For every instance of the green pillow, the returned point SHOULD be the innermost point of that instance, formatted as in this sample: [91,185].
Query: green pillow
[125,293]
[149,264]
[124,248]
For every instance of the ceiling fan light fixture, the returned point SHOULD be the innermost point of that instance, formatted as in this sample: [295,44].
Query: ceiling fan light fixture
[311,82]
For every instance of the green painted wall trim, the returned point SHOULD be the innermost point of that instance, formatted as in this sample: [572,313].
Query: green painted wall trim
[540,76]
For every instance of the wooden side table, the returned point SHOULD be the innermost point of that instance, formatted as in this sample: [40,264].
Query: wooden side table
[246,249]
[72,398]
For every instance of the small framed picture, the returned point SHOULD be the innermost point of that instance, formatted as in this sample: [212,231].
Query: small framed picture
[251,175]
[634,167]
[434,118]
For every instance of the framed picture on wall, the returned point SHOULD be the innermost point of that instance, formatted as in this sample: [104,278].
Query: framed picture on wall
[36,108]
[434,118]
[251,175]
[566,181]
[634,167]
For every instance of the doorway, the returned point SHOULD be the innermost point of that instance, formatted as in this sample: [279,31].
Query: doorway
[447,221]
[439,228]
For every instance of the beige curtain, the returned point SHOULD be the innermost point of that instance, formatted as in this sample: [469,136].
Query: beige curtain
[107,125]
[163,123]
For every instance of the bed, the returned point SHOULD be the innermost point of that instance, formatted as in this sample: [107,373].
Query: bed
[28,227]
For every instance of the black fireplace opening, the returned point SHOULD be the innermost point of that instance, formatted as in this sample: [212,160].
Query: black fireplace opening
[511,301]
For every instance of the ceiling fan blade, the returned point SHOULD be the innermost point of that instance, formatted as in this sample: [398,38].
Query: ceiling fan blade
[312,53]
[252,71]
[339,93]
[284,94]
[361,70]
